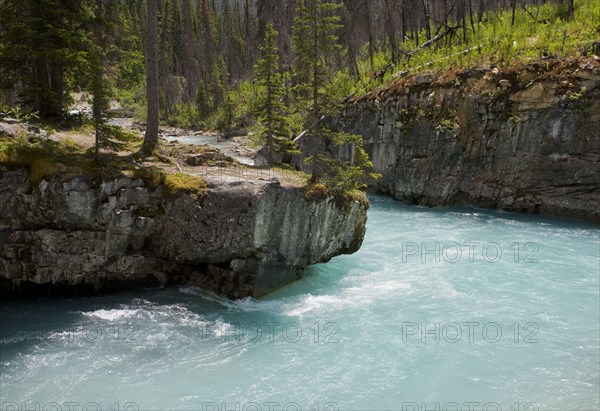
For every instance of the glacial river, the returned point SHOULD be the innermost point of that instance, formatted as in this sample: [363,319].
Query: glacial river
[453,309]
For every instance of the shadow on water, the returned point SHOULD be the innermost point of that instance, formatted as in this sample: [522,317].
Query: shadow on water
[387,204]
[27,325]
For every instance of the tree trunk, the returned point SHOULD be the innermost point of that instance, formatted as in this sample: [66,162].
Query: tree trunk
[41,83]
[390,18]
[426,19]
[403,19]
[58,88]
[40,72]
[269,113]
[480,12]
[97,76]
[316,110]
[152,92]
[370,32]
[471,15]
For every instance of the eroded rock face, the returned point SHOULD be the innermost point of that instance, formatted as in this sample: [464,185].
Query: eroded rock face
[74,236]
[527,141]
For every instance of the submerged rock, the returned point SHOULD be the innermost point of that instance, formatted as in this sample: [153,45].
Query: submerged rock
[73,235]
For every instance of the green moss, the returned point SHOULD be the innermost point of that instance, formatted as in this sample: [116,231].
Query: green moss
[316,192]
[179,183]
[447,125]
[46,159]
[356,195]
[44,168]
[345,199]
[153,177]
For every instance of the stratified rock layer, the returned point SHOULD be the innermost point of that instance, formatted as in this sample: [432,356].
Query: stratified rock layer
[518,140]
[72,235]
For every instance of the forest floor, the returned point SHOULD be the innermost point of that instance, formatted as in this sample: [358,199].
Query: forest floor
[212,163]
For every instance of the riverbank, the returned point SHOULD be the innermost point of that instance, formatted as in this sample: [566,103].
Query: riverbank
[70,225]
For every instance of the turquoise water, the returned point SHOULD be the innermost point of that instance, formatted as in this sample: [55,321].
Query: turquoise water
[392,327]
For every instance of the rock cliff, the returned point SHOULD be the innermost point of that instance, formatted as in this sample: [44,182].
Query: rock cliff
[521,139]
[72,235]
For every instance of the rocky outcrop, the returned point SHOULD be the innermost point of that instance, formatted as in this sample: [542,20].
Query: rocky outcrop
[73,235]
[518,140]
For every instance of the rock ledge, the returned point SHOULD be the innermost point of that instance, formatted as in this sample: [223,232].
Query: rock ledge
[72,235]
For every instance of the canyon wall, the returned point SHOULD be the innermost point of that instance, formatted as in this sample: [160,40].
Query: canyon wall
[521,139]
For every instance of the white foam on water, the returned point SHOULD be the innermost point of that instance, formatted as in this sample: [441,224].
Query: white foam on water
[351,297]
[113,315]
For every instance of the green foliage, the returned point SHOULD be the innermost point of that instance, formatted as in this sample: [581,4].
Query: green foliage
[246,97]
[224,115]
[496,41]
[203,102]
[17,113]
[343,176]
[271,112]
[115,138]
[46,158]
[577,96]
[133,98]
[446,125]
[340,86]
[42,44]
[314,38]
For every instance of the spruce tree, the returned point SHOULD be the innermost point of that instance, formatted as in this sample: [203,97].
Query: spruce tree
[315,40]
[271,111]
[203,103]
[151,136]
[314,35]
[97,57]
[41,42]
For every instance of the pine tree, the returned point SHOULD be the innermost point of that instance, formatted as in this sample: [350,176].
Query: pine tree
[314,40]
[190,58]
[202,101]
[151,136]
[41,41]
[314,35]
[271,111]
[99,92]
